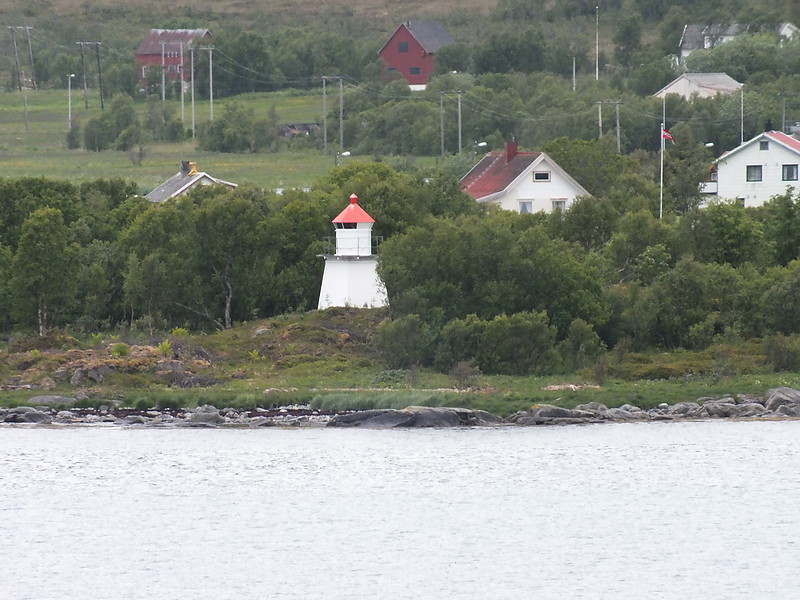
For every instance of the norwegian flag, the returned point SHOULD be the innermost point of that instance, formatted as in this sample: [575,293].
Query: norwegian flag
[666,135]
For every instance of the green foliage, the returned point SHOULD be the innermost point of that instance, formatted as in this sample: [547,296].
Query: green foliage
[119,350]
[238,130]
[783,352]
[165,348]
[405,341]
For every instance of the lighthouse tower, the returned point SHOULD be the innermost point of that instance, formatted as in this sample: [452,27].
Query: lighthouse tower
[351,275]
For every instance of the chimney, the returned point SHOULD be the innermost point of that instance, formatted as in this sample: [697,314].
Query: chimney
[511,150]
[768,125]
[185,167]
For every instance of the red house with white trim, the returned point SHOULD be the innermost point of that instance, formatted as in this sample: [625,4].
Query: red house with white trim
[167,47]
[411,48]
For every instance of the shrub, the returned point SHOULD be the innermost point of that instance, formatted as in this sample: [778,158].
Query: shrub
[120,350]
[783,352]
[463,375]
[405,341]
[164,348]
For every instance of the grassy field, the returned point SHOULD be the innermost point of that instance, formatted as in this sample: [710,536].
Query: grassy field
[326,358]
[39,149]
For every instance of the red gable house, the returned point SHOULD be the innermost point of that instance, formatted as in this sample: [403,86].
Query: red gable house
[165,46]
[524,182]
[410,51]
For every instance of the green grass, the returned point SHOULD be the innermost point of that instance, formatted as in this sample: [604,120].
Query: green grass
[40,150]
[325,358]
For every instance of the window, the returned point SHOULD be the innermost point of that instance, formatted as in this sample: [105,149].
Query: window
[753,172]
[392,69]
[541,175]
[525,207]
[763,145]
[790,172]
[559,205]
[413,71]
[402,46]
[740,202]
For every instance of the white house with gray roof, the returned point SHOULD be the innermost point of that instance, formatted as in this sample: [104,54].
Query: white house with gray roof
[700,85]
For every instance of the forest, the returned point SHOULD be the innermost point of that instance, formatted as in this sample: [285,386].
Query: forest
[507,293]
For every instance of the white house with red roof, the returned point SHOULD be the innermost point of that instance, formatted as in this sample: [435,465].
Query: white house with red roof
[753,173]
[351,274]
[525,182]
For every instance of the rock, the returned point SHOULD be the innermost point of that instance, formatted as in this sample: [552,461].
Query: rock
[663,406]
[98,373]
[134,420]
[206,415]
[751,409]
[27,414]
[77,377]
[719,408]
[684,408]
[381,418]
[172,366]
[788,410]
[52,400]
[782,396]
[595,407]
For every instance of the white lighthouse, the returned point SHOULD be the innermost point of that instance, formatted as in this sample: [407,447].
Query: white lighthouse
[351,275]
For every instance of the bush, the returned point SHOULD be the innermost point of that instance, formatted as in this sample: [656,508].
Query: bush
[783,352]
[119,350]
[405,342]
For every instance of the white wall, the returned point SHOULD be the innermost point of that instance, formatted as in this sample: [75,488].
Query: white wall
[732,173]
[541,193]
[351,282]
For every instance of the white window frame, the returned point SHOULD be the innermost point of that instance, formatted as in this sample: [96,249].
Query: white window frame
[763,145]
[789,172]
[525,207]
[559,204]
[541,176]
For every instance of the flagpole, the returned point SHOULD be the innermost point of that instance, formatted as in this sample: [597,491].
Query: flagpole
[661,181]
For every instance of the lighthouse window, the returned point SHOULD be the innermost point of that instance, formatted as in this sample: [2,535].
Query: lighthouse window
[346,225]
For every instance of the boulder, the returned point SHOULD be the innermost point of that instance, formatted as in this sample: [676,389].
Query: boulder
[51,400]
[687,409]
[27,414]
[206,415]
[719,409]
[782,396]
[380,418]
[97,374]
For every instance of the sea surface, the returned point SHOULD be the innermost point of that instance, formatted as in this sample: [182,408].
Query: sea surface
[698,510]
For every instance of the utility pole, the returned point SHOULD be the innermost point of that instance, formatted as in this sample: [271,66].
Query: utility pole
[459,122]
[599,119]
[16,55]
[597,43]
[619,143]
[324,116]
[210,80]
[83,69]
[30,52]
[441,123]
[341,113]
[191,56]
[182,80]
[163,75]
[99,73]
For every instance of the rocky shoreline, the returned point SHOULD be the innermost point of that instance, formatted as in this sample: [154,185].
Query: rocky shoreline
[53,410]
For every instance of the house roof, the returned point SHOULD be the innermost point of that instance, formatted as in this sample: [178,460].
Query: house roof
[787,141]
[353,213]
[151,44]
[431,35]
[720,83]
[495,173]
[694,36]
[182,182]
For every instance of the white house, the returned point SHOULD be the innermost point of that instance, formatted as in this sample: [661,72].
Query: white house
[524,182]
[702,85]
[761,168]
[183,182]
[351,274]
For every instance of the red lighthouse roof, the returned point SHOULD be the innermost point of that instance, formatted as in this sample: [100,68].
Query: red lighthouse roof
[353,213]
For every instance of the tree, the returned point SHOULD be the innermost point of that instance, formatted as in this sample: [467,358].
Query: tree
[43,267]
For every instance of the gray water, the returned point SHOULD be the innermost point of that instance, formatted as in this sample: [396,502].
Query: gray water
[640,511]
